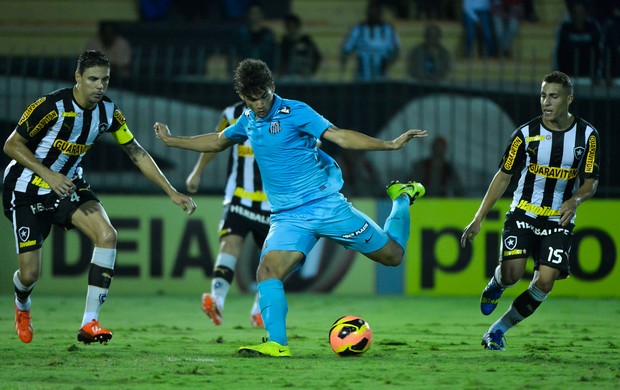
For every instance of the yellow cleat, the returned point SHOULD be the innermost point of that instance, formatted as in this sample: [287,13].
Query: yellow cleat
[413,190]
[267,348]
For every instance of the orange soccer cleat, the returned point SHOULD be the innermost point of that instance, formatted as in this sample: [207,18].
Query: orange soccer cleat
[93,332]
[23,325]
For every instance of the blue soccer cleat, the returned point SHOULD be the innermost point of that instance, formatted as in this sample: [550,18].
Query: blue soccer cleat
[490,297]
[494,341]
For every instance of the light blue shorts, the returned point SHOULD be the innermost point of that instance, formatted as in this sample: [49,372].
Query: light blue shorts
[331,217]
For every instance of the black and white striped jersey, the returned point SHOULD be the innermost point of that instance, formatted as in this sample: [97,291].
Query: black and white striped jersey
[374,44]
[59,132]
[244,184]
[551,164]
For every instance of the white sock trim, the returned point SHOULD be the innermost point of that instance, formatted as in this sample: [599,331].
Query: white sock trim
[104,257]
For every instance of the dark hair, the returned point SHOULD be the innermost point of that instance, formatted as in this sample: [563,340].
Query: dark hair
[252,77]
[90,59]
[558,77]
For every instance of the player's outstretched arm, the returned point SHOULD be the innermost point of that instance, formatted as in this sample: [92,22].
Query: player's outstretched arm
[193,179]
[210,142]
[496,189]
[351,139]
[149,168]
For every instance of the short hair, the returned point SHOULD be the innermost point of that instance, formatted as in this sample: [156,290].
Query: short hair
[90,59]
[252,77]
[558,77]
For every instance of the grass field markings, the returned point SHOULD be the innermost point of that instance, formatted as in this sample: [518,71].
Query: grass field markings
[190,359]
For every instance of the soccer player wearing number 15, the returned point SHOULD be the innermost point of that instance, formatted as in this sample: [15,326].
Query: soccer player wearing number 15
[557,156]
[303,186]
[44,186]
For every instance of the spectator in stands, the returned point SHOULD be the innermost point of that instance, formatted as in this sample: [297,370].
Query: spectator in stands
[611,63]
[374,42]
[299,55]
[579,45]
[114,46]
[255,39]
[477,13]
[507,16]
[440,177]
[429,61]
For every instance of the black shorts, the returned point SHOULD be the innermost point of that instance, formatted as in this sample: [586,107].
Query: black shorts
[547,242]
[241,220]
[33,215]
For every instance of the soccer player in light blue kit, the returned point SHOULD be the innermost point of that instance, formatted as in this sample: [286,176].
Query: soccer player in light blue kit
[302,184]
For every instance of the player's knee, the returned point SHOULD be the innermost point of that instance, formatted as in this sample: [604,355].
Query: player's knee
[107,238]
[511,276]
[545,285]
[28,277]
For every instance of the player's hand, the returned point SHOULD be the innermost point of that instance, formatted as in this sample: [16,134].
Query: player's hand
[568,209]
[59,183]
[470,232]
[192,182]
[407,136]
[162,131]
[184,202]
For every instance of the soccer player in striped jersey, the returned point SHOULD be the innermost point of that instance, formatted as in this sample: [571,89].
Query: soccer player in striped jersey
[557,157]
[374,42]
[43,185]
[246,210]
[303,185]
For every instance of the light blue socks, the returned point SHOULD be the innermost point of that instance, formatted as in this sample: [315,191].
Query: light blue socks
[273,307]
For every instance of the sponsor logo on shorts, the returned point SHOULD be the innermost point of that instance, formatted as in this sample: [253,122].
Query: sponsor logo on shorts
[27,243]
[249,214]
[542,231]
[513,252]
[357,232]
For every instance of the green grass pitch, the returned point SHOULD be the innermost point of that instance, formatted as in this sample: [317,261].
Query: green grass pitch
[419,342]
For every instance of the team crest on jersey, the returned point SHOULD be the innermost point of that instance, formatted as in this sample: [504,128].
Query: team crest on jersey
[24,233]
[579,151]
[285,110]
[102,127]
[510,242]
[274,127]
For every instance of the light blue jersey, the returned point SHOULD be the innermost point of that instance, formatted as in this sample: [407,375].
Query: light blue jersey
[294,170]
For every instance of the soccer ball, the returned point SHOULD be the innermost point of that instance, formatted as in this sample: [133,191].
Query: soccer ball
[350,336]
